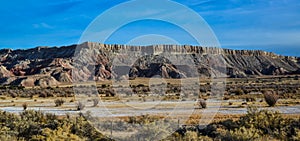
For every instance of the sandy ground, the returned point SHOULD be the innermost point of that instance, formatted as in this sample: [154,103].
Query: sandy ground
[120,109]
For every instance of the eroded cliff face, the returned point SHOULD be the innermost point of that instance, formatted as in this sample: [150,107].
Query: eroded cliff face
[50,66]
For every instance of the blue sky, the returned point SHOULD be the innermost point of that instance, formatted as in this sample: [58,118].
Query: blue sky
[271,25]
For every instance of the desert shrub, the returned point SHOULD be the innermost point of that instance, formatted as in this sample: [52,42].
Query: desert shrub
[202,103]
[104,86]
[24,105]
[296,137]
[268,122]
[270,98]
[239,91]
[296,77]
[34,125]
[13,95]
[229,124]
[31,96]
[294,91]
[132,120]
[79,106]
[226,98]
[151,131]
[23,95]
[32,116]
[95,102]
[203,90]
[143,119]
[72,100]
[8,122]
[246,91]
[43,94]
[30,124]
[83,128]
[293,130]
[255,125]
[7,137]
[61,133]
[190,136]
[241,134]
[210,130]
[250,99]
[118,125]
[59,102]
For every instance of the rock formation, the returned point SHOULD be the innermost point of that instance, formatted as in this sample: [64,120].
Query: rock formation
[50,66]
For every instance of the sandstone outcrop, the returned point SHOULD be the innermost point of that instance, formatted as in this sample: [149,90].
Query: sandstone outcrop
[51,66]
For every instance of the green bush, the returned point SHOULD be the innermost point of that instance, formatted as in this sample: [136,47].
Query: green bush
[35,125]
[255,125]
[242,134]
[268,122]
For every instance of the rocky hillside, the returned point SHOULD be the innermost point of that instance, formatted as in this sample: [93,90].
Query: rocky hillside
[50,66]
